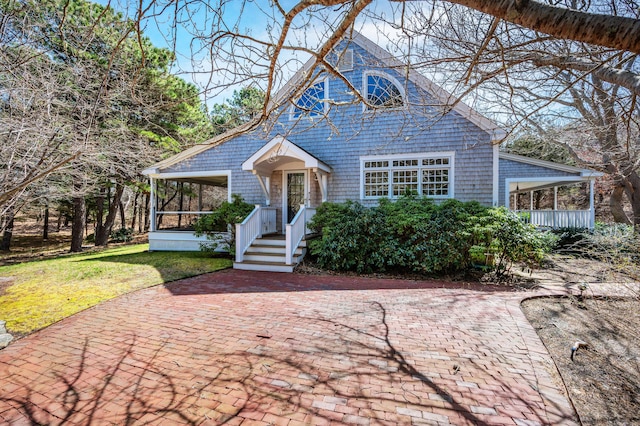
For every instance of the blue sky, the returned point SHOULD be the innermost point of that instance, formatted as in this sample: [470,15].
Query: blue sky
[235,65]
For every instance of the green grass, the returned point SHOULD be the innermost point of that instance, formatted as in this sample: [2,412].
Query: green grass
[43,292]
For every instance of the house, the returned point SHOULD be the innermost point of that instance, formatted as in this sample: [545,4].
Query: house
[328,144]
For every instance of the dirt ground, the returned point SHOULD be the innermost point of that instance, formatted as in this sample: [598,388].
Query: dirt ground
[603,378]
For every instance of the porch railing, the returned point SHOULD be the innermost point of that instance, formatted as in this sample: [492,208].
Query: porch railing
[177,220]
[296,230]
[555,219]
[262,220]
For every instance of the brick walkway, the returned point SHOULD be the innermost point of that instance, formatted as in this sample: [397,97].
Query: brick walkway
[237,347]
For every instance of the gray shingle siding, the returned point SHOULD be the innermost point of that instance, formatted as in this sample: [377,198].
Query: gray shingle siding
[509,169]
[353,133]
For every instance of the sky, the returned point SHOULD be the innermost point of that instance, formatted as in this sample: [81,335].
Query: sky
[186,27]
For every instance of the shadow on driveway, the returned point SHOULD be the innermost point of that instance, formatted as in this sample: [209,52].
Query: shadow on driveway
[267,353]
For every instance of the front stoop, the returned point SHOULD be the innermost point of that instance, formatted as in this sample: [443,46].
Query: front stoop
[268,254]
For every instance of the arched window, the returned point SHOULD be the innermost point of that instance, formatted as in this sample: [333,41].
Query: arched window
[382,92]
[311,102]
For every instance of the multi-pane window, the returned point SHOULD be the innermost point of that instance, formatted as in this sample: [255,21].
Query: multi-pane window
[311,102]
[430,176]
[382,92]
[376,184]
[404,181]
[435,177]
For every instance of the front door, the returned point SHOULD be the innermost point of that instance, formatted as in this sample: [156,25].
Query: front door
[296,189]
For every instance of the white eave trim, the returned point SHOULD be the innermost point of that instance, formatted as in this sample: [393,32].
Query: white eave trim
[282,147]
[185,175]
[549,164]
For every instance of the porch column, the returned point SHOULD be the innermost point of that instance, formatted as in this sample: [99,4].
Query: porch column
[152,209]
[531,200]
[265,185]
[592,207]
[555,198]
[322,183]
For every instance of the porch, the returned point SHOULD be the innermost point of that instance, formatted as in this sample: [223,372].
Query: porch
[551,218]
[547,194]
[272,237]
[295,182]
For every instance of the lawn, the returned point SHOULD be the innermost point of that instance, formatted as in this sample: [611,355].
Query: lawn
[36,294]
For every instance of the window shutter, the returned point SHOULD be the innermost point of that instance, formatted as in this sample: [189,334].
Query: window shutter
[345,63]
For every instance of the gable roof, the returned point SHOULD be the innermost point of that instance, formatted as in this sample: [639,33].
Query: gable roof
[386,59]
[197,149]
[548,164]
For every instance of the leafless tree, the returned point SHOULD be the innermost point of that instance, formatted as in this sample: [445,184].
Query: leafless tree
[88,101]
[531,80]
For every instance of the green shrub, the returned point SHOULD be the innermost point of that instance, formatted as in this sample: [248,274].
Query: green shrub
[353,238]
[570,240]
[419,235]
[222,220]
[503,234]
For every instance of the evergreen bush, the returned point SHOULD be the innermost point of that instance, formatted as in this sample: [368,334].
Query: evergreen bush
[419,235]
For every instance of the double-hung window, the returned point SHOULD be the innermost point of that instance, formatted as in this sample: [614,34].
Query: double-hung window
[312,101]
[430,175]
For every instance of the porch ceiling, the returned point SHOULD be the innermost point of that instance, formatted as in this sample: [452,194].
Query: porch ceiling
[211,180]
[279,152]
[526,186]
[213,177]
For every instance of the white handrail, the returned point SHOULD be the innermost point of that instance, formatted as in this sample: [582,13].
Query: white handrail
[295,232]
[247,232]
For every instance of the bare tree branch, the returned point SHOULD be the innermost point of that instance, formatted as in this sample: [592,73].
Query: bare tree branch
[616,32]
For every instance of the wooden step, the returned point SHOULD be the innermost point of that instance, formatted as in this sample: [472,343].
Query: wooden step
[263,266]
[268,254]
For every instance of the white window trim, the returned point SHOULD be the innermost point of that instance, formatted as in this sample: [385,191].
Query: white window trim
[389,77]
[420,156]
[325,102]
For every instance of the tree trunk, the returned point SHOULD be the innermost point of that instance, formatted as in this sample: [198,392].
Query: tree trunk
[615,204]
[633,192]
[45,226]
[147,213]
[135,211]
[5,243]
[102,238]
[77,226]
[618,32]
[99,212]
[123,219]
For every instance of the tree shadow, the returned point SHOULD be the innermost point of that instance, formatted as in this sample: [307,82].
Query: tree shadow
[350,374]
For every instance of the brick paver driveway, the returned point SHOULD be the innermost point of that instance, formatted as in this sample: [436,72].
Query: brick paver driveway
[247,348]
